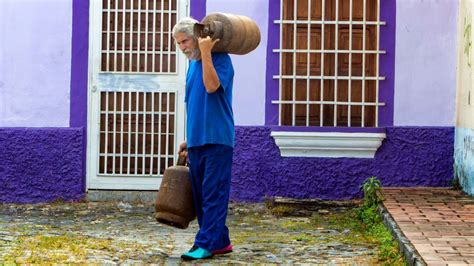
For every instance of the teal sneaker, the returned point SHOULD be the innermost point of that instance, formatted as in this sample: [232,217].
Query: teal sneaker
[196,254]
[193,248]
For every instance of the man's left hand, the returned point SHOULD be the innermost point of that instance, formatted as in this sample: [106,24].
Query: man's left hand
[206,44]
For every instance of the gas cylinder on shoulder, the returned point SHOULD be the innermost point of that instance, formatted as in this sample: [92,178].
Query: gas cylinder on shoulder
[237,34]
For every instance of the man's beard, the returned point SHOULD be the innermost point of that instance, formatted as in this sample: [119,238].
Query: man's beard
[193,54]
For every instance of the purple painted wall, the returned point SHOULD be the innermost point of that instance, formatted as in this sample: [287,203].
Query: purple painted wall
[79,76]
[35,63]
[409,156]
[45,164]
[79,63]
[198,9]
[249,79]
[272,67]
[41,164]
[46,86]
[425,84]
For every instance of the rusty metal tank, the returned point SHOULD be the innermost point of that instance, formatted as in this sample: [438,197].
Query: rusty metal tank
[237,34]
[174,203]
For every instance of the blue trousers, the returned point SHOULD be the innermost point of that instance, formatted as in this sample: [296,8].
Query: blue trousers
[210,173]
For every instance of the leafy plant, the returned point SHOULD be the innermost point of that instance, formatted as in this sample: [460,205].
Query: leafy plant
[372,188]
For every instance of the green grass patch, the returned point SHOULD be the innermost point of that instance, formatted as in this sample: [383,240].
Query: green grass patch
[372,224]
[377,233]
[69,248]
[53,249]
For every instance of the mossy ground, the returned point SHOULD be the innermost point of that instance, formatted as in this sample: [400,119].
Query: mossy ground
[358,226]
[85,233]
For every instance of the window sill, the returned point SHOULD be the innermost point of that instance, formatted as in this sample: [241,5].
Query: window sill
[328,144]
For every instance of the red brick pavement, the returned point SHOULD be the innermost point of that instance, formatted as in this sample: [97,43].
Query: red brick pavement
[439,222]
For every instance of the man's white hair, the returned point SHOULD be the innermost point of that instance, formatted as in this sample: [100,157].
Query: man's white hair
[185,25]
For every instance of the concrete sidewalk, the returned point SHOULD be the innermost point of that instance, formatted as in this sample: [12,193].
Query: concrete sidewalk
[436,224]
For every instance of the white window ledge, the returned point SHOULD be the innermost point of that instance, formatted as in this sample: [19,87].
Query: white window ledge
[328,144]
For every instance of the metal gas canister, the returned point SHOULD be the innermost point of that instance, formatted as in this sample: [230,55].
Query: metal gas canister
[174,203]
[237,34]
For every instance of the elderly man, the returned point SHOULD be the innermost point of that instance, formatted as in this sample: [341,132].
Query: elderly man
[210,138]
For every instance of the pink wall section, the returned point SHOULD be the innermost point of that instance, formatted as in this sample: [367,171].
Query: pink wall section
[35,63]
[249,80]
[425,63]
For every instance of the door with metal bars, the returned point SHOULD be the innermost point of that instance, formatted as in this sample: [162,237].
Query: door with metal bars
[136,91]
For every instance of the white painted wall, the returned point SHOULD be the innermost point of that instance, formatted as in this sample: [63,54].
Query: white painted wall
[35,62]
[250,69]
[425,63]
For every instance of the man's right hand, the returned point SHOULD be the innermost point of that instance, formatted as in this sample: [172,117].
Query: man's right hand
[183,149]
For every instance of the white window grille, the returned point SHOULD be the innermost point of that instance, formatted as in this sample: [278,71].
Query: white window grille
[329,63]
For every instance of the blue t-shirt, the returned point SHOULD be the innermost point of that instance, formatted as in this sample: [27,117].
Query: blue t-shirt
[210,119]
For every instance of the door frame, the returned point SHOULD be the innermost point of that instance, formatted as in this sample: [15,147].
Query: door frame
[94,59]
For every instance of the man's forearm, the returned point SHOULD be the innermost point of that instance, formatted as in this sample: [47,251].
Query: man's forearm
[209,74]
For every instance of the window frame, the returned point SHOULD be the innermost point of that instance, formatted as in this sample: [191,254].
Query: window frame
[296,133]
[386,69]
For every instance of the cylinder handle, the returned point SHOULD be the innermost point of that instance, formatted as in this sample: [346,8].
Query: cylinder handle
[214,30]
[181,160]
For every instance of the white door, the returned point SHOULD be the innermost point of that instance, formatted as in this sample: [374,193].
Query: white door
[136,93]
